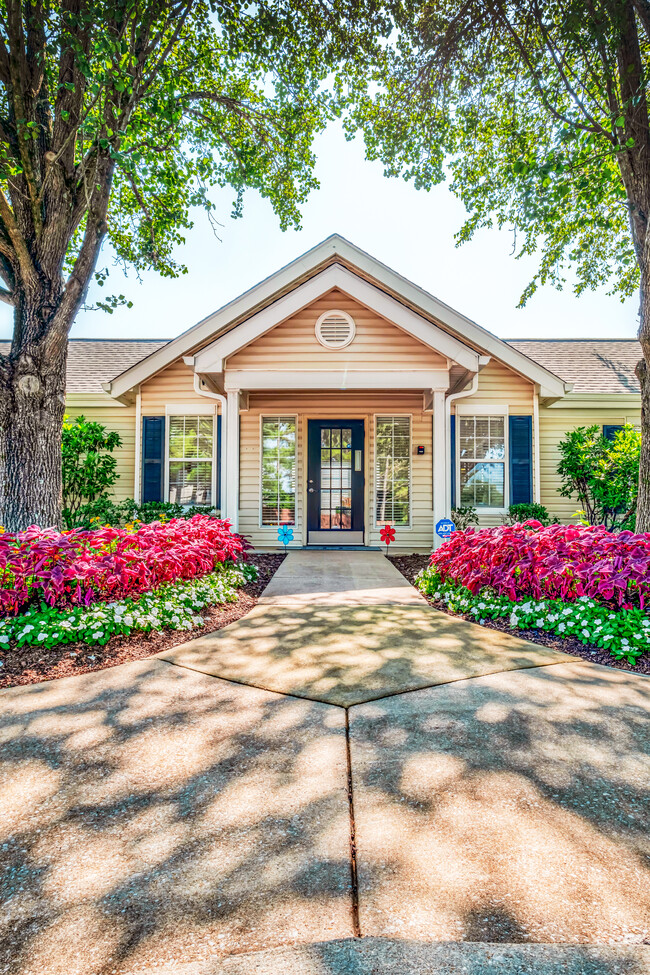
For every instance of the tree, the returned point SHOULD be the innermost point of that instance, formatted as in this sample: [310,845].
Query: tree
[88,467]
[116,117]
[603,474]
[538,110]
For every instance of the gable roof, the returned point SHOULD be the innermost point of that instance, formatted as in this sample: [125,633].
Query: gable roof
[591,365]
[337,250]
[92,362]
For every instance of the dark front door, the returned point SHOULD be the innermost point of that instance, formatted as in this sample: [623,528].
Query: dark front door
[335,482]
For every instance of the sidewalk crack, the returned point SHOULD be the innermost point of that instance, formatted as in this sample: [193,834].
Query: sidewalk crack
[354,878]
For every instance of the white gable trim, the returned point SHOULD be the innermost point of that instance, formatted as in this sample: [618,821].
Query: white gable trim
[298,271]
[212,359]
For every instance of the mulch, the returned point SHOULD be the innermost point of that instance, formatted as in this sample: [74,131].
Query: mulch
[31,665]
[410,565]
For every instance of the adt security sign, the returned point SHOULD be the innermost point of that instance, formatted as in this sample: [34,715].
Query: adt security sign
[445,527]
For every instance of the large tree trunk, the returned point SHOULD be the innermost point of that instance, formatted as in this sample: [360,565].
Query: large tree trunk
[643,502]
[32,402]
[643,374]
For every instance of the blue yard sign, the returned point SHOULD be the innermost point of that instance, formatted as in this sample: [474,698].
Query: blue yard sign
[444,528]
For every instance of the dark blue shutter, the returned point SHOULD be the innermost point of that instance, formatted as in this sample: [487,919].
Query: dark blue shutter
[452,441]
[521,459]
[153,458]
[611,429]
[218,502]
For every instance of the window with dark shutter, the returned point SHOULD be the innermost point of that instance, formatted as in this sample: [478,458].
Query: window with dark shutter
[153,458]
[521,459]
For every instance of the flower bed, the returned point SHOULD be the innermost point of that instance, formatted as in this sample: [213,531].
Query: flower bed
[625,633]
[174,606]
[82,567]
[559,562]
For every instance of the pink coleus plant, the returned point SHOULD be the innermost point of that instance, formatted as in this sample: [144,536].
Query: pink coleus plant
[559,562]
[89,565]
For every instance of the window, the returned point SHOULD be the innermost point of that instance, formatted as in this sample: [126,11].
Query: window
[393,470]
[482,451]
[611,429]
[278,470]
[191,459]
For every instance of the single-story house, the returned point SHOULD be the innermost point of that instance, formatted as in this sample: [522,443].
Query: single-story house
[337,397]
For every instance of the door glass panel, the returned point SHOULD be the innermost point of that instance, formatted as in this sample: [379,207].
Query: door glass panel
[336,478]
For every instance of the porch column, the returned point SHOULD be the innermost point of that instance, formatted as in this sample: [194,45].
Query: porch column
[232,453]
[440,462]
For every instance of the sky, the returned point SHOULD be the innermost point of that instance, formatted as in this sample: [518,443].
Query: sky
[410,230]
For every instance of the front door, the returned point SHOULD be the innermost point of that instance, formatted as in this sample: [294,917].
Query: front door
[335,482]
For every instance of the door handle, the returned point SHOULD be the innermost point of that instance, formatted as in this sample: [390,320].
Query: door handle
[311,490]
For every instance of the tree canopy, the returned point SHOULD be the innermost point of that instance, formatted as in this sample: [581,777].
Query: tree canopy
[117,117]
[162,100]
[536,111]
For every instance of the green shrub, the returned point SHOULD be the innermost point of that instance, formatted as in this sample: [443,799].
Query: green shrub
[463,517]
[88,467]
[625,633]
[109,512]
[603,474]
[518,513]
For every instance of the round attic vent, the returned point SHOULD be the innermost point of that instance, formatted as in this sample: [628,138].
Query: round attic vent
[335,329]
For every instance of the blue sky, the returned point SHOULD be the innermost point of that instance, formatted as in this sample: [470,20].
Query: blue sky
[410,230]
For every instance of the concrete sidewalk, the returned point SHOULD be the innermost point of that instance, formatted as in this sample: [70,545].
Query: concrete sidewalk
[343,761]
[346,628]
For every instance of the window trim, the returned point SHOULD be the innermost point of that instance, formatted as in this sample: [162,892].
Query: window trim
[276,416]
[171,411]
[486,509]
[373,501]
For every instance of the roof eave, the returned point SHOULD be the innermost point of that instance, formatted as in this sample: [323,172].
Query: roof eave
[334,248]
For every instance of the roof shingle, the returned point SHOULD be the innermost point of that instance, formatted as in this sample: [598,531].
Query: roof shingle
[592,365]
[92,362]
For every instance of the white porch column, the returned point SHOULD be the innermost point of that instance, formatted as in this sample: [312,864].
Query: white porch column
[440,462]
[232,463]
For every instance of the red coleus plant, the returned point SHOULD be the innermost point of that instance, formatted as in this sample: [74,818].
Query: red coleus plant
[86,565]
[559,562]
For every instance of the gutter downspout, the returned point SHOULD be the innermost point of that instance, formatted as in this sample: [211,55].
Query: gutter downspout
[137,487]
[224,426]
[537,478]
[451,502]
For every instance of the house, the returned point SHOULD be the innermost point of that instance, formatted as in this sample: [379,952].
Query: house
[338,397]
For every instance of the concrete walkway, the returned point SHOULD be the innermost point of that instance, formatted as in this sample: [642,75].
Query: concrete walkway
[342,762]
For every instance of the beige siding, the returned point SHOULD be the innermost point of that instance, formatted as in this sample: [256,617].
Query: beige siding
[107,411]
[348,405]
[175,384]
[378,344]
[499,384]
[554,424]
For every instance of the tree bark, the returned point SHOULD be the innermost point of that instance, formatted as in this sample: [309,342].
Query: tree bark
[32,404]
[643,374]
